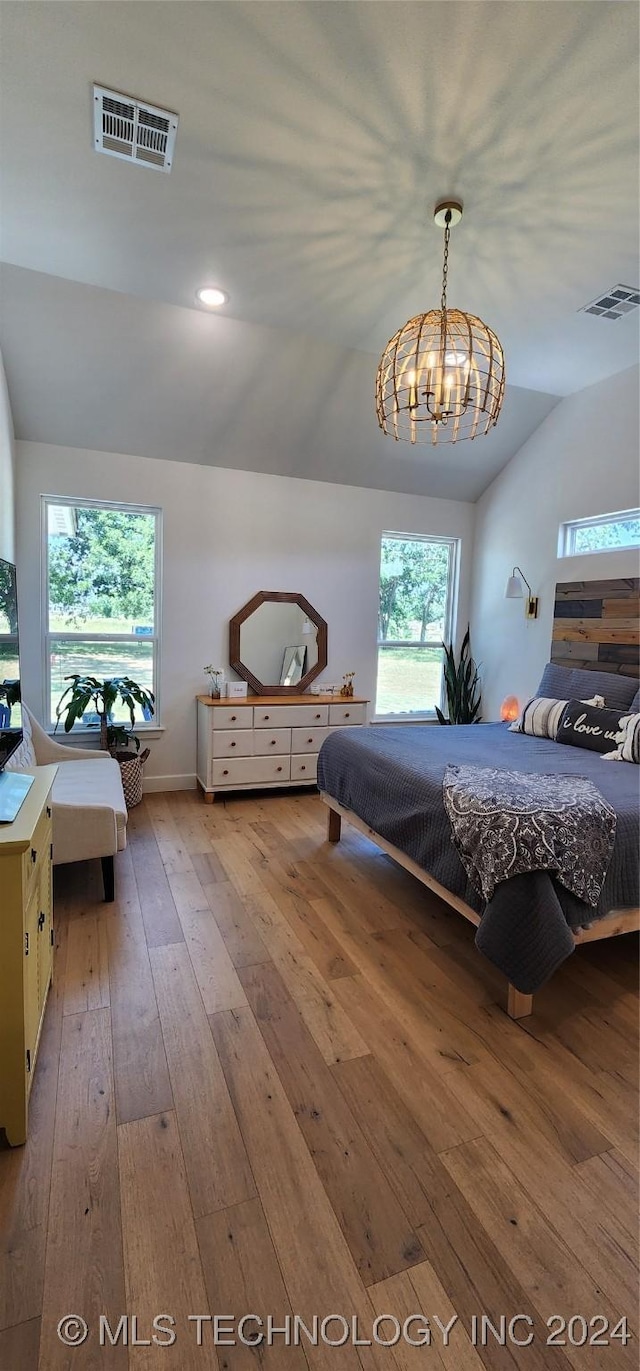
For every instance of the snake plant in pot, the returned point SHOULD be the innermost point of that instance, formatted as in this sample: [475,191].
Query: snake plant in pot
[85,690]
[462,685]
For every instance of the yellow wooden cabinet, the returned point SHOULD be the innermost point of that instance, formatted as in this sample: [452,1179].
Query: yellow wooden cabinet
[26,948]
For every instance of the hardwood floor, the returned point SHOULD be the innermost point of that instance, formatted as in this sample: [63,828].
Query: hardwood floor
[276,1079]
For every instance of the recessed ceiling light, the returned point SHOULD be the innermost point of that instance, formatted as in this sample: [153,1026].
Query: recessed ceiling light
[212,297]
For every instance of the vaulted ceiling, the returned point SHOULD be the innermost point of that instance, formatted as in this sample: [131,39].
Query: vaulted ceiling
[314,139]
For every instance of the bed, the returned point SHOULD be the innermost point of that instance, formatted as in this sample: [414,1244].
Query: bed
[388,782]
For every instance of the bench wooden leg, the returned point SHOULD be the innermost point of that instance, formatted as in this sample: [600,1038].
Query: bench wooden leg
[109,879]
[334,826]
[518,1005]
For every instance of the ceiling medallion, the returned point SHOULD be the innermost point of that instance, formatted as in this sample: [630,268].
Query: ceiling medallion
[441,376]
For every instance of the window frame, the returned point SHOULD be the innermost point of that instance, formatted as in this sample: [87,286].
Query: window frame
[123,506]
[569,528]
[450,617]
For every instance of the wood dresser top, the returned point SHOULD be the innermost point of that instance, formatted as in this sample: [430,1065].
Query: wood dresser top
[239,701]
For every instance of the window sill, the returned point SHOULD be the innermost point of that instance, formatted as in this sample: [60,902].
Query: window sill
[83,734]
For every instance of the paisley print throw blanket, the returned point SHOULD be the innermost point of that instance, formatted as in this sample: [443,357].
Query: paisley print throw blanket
[506,823]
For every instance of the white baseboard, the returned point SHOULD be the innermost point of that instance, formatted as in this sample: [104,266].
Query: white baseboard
[152,783]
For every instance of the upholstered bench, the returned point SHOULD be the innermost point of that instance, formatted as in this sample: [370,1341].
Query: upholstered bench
[89,810]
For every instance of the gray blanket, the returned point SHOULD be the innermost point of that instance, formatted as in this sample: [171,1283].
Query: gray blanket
[392,779]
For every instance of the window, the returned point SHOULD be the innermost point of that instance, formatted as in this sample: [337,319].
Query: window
[417,588]
[101,596]
[604,533]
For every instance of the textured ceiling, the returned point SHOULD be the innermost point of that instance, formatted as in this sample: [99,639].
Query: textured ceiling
[314,140]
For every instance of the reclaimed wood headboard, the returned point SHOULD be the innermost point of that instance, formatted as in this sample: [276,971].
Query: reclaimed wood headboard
[595,625]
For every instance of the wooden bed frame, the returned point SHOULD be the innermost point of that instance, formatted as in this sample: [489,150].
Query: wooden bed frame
[518,1005]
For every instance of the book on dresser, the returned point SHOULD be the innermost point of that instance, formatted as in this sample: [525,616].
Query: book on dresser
[265,741]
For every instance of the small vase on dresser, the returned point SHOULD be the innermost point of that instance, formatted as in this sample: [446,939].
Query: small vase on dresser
[265,742]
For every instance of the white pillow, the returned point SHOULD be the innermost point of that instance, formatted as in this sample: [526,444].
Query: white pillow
[628,740]
[24,756]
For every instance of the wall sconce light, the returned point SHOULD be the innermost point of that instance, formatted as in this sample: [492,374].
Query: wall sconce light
[514,591]
[509,709]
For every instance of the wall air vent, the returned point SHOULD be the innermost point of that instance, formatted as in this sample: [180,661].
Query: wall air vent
[133,130]
[614,303]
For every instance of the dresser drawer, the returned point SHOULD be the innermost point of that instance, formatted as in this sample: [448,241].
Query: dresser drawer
[304,768]
[289,716]
[347,713]
[250,770]
[270,742]
[226,716]
[232,742]
[308,739]
[40,849]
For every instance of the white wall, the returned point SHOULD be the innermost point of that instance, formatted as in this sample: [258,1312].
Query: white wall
[582,460]
[7,544]
[228,534]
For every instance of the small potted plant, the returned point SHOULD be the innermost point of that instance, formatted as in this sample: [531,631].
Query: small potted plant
[215,674]
[114,738]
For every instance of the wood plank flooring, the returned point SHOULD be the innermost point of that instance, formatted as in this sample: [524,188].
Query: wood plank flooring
[276,1079]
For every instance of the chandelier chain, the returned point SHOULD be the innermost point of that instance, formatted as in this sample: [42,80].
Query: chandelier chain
[445,263]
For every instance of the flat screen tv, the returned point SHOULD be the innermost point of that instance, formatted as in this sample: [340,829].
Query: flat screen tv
[13,785]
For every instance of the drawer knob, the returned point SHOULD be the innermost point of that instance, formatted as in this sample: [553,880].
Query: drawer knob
[233,718]
[34,855]
[41,921]
[278,768]
[231,744]
[309,740]
[225,773]
[265,718]
[272,743]
[303,768]
[48,811]
[346,714]
[317,716]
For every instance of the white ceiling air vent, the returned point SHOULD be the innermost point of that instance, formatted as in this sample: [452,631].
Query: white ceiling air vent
[614,303]
[133,130]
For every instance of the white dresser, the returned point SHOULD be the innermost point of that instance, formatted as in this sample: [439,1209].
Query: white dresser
[267,741]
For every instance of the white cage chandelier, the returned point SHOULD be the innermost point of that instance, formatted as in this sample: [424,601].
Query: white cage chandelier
[441,376]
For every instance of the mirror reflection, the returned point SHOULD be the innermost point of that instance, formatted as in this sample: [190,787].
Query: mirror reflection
[278,643]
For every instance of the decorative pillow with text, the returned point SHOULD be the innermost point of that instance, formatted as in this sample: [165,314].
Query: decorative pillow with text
[582,725]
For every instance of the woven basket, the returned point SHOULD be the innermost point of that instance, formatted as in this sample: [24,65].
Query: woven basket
[131,764]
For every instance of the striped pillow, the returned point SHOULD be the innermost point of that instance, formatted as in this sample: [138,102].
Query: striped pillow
[629,749]
[540,717]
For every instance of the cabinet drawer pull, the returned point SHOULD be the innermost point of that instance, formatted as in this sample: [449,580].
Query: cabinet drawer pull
[48,811]
[231,744]
[34,855]
[309,740]
[272,742]
[233,718]
[318,716]
[225,773]
[346,714]
[41,921]
[278,768]
[265,718]
[303,768]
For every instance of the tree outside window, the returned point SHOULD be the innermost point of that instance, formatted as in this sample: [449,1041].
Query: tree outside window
[414,616]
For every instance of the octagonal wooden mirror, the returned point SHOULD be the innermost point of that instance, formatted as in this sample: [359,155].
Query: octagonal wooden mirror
[278,643]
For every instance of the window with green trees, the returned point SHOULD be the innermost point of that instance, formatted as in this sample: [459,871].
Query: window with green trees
[603,533]
[102,590]
[417,585]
